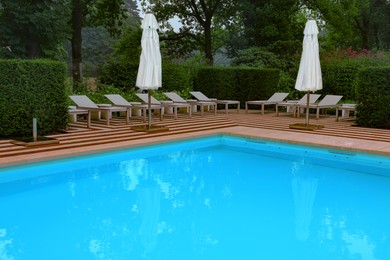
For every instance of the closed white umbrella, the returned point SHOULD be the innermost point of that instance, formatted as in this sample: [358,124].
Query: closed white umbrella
[149,70]
[309,75]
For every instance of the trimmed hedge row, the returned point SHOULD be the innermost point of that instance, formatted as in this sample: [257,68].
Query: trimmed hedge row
[237,83]
[28,89]
[340,80]
[124,75]
[373,97]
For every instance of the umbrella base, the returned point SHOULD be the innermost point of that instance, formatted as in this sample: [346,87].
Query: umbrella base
[29,141]
[151,129]
[303,126]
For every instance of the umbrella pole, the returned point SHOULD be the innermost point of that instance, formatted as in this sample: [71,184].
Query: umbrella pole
[149,109]
[307,108]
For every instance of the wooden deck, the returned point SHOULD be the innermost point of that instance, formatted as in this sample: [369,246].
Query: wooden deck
[78,136]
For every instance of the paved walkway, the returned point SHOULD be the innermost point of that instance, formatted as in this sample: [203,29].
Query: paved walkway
[79,140]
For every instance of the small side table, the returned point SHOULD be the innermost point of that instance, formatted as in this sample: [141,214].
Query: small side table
[345,110]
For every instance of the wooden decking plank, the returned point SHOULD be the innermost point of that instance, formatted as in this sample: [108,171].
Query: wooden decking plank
[77,135]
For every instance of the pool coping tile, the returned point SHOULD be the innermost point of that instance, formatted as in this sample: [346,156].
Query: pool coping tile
[353,144]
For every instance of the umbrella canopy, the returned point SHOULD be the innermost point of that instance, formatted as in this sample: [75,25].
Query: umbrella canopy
[149,70]
[309,75]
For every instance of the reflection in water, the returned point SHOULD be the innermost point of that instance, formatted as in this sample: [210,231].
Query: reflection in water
[149,198]
[4,243]
[131,172]
[358,244]
[351,243]
[139,177]
[304,188]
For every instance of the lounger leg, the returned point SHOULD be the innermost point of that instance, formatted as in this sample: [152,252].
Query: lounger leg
[89,119]
[128,112]
[108,114]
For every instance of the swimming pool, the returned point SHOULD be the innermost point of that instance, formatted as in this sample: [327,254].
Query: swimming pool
[220,197]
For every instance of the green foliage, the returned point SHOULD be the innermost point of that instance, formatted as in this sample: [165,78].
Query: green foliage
[340,70]
[270,24]
[237,83]
[34,29]
[31,89]
[259,58]
[340,79]
[128,48]
[106,13]
[123,74]
[97,47]
[373,96]
[363,23]
[200,22]
[174,77]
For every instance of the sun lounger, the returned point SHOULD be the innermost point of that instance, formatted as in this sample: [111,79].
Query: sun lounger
[120,101]
[85,103]
[329,101]
[293,104]
[273,100]
[173,96]
[202,97]
[74,112]
[166,104]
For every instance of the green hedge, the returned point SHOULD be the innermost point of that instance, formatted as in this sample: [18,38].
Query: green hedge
[237,83]
[120,74]
[124,75]
[32,88]
[373,97]
[340,79]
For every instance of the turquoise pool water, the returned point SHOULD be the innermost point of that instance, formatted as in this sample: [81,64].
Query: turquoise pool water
[219,197]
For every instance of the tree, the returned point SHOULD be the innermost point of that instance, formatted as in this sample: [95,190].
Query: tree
[269,24]
[357,24]
[199,19]
[106,13]
[34,29]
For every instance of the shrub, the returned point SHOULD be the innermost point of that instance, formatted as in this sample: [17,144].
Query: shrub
[340,79]
[121,74]
[32,88]
[373,96]
[237,83]
[124,75]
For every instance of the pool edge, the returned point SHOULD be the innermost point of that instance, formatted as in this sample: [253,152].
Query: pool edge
[366,146]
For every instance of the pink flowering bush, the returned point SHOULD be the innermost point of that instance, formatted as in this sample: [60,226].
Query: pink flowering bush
[360,56]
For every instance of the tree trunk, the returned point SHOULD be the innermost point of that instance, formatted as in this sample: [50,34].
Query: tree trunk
[77,23]
[366,34]
[208,43]
[33,47]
